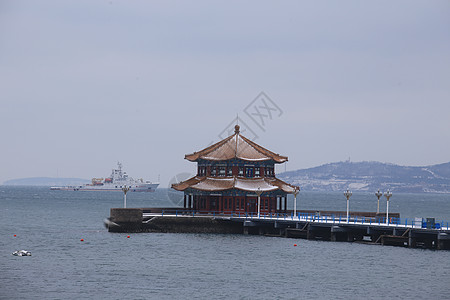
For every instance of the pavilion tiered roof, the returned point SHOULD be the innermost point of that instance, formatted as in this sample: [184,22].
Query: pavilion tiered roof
[235,146]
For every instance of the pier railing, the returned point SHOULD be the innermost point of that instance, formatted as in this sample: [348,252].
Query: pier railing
[308,217]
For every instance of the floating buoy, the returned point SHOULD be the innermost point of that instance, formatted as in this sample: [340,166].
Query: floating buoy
[14,235]
[128,236]
[82,240]
[295,245]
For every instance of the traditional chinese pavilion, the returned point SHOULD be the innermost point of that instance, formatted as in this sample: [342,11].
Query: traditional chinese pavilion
[231,174]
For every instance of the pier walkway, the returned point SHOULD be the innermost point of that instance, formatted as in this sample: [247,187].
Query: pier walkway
[392,222]
[363,227]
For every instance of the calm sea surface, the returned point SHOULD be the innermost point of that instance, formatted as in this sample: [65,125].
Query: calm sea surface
[106,265]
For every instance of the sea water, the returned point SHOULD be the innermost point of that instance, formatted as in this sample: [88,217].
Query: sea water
[106,265]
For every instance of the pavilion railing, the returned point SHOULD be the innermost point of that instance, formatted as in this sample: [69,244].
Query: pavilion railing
[310,217]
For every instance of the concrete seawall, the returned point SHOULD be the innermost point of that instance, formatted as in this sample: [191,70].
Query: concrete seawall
[125,220]
[131,220]
[188,224]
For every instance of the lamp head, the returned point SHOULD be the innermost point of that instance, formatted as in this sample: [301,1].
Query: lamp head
[388,194]
[347,193]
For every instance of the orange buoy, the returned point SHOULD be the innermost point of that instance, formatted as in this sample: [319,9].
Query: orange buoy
[295,245]
[82,240]
[128,237]
[14,235]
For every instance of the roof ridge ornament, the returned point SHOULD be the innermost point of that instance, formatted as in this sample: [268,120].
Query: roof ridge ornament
[236,129]
[236,132]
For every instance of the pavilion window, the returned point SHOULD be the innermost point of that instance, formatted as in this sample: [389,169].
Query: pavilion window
[201,171]
[249,172]
[222,171]
[268,171]
[241,171]
[229,171]
[257,172]
[213,171]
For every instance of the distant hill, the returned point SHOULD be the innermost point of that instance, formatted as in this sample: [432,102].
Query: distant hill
[46,181]
[371,176]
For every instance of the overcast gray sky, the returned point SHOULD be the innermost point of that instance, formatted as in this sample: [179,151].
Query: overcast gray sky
[85,84]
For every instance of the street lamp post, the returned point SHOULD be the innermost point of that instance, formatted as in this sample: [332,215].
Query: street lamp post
[378,194]
[258,193]
[296,190]
[125,189]
[388,195]
[347,194]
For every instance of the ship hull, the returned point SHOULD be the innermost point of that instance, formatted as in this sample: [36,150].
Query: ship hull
[104,188]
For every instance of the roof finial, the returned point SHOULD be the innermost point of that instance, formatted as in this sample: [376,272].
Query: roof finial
[236,128]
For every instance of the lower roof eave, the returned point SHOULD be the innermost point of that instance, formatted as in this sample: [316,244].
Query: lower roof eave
[277,190]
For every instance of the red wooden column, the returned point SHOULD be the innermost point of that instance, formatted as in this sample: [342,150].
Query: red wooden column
[285,203]
[245,203]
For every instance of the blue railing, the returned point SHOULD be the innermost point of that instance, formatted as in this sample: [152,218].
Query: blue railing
[315,217]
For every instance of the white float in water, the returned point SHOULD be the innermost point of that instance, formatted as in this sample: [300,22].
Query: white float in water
[21,253]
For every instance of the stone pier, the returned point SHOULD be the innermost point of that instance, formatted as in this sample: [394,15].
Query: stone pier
[174,221]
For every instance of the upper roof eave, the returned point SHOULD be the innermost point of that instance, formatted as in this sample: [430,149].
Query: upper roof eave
[196,155]
[234,150]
